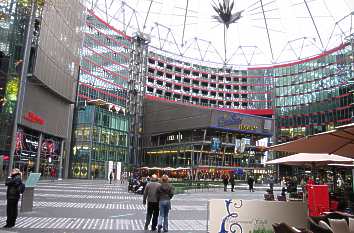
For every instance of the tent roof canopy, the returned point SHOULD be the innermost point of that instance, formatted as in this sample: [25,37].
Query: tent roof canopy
[339,141]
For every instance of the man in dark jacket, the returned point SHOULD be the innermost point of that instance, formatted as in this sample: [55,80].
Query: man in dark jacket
[150,195]
[225,181]
[250,182]
[14,189]
[232,181]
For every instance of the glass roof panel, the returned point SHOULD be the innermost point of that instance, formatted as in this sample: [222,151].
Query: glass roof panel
[268,31]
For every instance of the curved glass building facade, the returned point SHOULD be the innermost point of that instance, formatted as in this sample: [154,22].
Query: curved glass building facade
[100,131]
[314,95]
[301,98]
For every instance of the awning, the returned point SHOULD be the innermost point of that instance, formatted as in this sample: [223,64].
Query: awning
[339,141]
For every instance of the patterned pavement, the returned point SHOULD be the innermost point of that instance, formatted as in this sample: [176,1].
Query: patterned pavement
[75,206]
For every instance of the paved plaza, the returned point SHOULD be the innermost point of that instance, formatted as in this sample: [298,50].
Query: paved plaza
[96,206]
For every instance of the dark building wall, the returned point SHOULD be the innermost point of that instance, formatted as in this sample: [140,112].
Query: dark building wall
[54,111]
[58,57]
[161,117]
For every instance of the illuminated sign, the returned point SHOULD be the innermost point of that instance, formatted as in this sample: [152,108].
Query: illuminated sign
[34,118]
[236,121]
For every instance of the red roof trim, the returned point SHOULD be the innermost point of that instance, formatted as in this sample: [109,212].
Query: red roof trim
[109,26]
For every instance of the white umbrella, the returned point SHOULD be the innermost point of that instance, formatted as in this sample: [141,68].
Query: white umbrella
[154,168]
[311,159]
[168,169]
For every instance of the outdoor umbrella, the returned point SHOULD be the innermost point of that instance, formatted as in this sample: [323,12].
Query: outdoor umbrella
[339,141]
[310,159]
[341,165]
[168,169]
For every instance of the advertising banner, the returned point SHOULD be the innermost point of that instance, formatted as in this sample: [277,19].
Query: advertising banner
[119,170]
[241,122]
[254,216]
[215,144]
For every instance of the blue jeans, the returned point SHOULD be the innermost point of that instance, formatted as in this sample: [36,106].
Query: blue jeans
[165,207]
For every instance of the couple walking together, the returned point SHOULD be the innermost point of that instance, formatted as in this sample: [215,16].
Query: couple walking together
[158,198]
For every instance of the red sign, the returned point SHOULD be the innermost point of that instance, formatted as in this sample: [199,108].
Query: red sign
[34,118]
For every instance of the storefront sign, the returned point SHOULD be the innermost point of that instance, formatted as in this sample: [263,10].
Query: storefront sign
[252,216]
[241,122]
[34,118]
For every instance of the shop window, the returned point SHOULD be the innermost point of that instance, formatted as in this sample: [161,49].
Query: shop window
[194,73]
[159,73]
[151,61]
[159,92]
[151,70]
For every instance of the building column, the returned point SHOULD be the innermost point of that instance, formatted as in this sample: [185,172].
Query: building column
[22,83]
[39,152]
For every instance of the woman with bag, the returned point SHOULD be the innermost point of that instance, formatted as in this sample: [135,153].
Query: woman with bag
[164,195]
[15,188]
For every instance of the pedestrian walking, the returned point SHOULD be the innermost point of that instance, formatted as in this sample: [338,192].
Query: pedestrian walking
[150,197]
[122,178]
[250,182]
[110,177]
[14,189]
[53,173]
[232,181]
[225,181]
[164,194]
[271,183]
